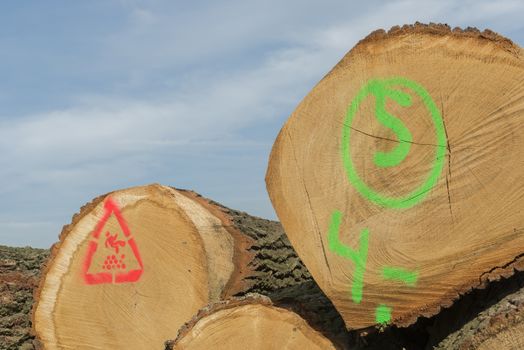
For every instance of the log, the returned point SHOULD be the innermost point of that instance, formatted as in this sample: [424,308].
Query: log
[136,263]
[251,322]
[398,178]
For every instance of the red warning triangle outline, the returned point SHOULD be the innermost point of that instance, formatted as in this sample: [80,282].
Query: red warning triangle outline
[107,277]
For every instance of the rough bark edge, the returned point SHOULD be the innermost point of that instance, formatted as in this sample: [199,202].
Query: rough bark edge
[441,29]
[475,317]
[250,253]
[504,271]
[66,230]
[487,36]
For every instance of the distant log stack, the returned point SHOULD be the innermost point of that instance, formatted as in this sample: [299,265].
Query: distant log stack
[399,178]
[136,264]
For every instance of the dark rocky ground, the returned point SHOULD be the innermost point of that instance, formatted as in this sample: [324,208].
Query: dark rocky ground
[473,318]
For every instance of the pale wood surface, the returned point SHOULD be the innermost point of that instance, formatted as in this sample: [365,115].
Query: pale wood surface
[468,227]
[248,324]
[70,313]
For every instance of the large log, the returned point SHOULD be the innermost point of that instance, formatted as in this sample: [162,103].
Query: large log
[250,322]
[399,178]
[137,263]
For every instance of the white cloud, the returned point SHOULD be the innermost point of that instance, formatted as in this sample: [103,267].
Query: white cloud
[233,67]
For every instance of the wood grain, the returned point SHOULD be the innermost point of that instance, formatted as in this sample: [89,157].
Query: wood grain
[251,323]
[467,228]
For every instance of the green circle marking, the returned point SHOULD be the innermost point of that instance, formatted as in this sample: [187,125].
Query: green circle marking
[389,88]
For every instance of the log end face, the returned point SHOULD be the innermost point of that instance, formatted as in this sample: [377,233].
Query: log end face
[396,217]
[127,254]
[251,320]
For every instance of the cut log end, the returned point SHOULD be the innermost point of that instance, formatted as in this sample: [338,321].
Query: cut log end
[148,258]
[122,262]
[398,177]
[252,323]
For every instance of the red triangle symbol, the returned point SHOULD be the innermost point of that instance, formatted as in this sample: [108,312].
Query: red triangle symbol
[114,268]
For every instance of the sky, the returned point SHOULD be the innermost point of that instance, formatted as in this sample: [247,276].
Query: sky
[102,95]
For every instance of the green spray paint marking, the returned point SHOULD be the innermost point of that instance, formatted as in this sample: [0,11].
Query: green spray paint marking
[382,314]
[359,257]
[398,274]
[382,89]
[400,152]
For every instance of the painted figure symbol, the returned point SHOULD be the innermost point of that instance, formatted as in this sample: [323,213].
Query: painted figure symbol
[116,267]
[113,243]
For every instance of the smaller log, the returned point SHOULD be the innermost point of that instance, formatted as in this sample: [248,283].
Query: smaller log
[250,321]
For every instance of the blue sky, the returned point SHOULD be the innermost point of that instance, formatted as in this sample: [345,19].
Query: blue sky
[102,95]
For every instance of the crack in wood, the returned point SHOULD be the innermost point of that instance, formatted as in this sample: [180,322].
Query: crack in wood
[391,140]
[310,206]
[448,175]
